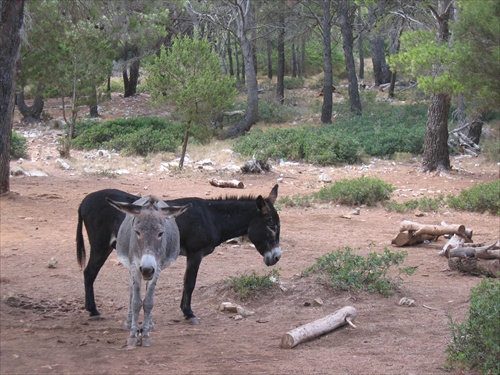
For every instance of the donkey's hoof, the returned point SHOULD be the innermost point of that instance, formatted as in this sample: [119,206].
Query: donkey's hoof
[194,321]
[96,317]
[132,342]
[146,341]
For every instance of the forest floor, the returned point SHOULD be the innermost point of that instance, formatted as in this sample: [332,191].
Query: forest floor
[46,330]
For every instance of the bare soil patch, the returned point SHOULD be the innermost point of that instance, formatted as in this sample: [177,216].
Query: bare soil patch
[45,329]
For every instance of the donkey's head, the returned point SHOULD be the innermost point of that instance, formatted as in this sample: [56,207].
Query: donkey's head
[264,230]
[151,233]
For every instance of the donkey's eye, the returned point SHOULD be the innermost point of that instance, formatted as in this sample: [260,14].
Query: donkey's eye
[160,235]
[137,233]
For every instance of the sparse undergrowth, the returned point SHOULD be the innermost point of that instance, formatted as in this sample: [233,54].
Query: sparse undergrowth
[475,342]
[344,270]
[249,284]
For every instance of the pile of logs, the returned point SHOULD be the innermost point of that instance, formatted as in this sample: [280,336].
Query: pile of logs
[474,259]
[412,233]
[462,254]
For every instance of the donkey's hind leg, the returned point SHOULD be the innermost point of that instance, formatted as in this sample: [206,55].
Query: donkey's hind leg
[147,325]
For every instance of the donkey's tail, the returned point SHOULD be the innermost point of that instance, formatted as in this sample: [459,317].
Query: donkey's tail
[80,245]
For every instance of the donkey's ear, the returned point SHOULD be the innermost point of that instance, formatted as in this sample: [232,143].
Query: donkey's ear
[262,205]
[173,211]
[127,208]
[273,194]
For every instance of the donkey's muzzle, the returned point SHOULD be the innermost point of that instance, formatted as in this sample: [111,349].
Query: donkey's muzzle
[147,272]
[272,257]
[147,267]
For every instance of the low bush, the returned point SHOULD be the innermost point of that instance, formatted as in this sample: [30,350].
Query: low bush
[18,146]
[383,130]
[140,135]
[480,198]
[344,270]
[422,204]
[357,191]
[249,284]
[476,342]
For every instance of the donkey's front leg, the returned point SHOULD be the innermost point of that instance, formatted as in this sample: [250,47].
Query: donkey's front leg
[147,325]
[135,307]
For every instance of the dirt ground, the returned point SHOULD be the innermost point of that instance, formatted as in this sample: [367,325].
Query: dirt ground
[46,330]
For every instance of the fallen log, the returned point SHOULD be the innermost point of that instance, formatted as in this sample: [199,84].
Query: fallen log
[436,230]
[484,252]
[319,327]
[409,238]
[227,183]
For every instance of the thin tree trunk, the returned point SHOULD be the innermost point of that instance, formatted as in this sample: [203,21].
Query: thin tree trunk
[269,60]
[361,50]
[280,85]
[346,22]
[294,61]
[230,54]
[93,105]
[11,21]
[244,23]
[327,108]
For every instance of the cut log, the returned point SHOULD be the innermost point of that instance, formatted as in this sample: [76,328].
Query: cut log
[227,183]
[454,242]
[409,238]
[468,231]
[436,230]
[319,327]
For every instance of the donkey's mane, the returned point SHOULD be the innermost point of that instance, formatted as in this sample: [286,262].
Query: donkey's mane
[235,197]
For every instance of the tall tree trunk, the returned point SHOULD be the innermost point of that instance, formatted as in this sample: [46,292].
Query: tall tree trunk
[361,50]
[436,155]
[381,73]
[236,55]
[327,108]
[230,54]
[280,85]
[294,61]
[31,114]
[395,35]
[11,21]
[132,79]
[244,24]
[93,104]
[346,18]
[269,47]
[303,57]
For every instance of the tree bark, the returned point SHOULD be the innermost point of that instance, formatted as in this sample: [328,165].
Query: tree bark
[436,155]
[361,51]
[11,21]
[347,12]
[327,108]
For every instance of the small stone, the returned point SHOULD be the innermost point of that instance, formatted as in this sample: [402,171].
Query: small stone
[52,263]
[405,301]
[318,302]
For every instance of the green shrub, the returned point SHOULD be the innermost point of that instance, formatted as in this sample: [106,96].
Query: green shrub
[344,270]
[247,285]
[476,342]
[479,198]
[291,83]
[18,146]
[358,191]
[140,135]
[422,204]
